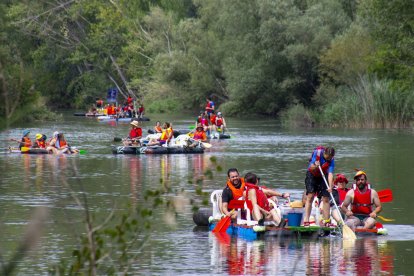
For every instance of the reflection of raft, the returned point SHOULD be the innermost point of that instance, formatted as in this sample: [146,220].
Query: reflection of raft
[115,119]
[156,150]
[28,151]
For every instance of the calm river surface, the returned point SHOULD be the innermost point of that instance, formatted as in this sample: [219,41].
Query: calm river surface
[279,156]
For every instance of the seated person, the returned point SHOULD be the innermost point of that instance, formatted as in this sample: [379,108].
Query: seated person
[60,144]
[362,200]
[40,141]
[135,134]
[166,136]
[220,123]
[258,196]
[25,141]
[157,127]
[198,136]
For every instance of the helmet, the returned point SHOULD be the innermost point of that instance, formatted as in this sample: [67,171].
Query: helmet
[25,132]
[358,173]
[39,136]
[340,178]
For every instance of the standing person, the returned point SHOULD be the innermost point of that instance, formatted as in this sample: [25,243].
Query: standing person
[134,135]
[259,199]
[362,200]
[315,184]
[209,106]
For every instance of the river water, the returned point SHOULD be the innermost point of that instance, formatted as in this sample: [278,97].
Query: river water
[279,156]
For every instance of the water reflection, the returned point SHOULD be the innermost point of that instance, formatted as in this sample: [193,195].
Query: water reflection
[292,256]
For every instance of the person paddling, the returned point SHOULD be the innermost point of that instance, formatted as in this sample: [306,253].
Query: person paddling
[25,140]
[362,199]
[198,136]
[135,134]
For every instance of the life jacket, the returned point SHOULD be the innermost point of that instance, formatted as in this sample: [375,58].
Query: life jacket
[213,119]
[260,196]
[99,103]
[135,133]
[362,203]
[158,129]
[219,121]
[60,144]
[40,144]
[204,121]
[237,192]
[209,106]
[325,166]
[199,135]
[129,100]
[342,194]
[166,134]
[26,142]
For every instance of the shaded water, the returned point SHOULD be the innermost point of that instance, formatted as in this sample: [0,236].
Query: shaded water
[278,156]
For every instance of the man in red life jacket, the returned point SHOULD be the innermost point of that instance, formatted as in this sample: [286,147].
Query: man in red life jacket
[259,199]
[362,200]
[315,184]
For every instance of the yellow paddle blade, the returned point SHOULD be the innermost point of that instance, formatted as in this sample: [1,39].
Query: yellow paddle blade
[385,219]
[207,145]
[24,149]
[347,233]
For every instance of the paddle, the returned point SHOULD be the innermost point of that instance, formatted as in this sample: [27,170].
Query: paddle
[347,232]
[223,224]
[205,144]
[385,219]
[385,195]
[24,149]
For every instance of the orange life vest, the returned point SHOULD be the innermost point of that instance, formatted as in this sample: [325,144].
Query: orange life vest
[237,192]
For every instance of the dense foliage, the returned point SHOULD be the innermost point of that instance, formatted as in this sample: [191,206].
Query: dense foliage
[253,57]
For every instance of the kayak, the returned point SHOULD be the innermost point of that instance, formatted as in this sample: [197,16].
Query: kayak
[156,150]
[107,118]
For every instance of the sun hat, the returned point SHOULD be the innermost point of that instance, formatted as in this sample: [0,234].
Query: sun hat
[135,123]
[199,125]
[340,178]
[55,134]
[39,136]
[358,173]
[25,132]
[219,113]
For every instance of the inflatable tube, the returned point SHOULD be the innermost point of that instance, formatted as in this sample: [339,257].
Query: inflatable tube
[200,217]
[183,150]
[114,119]
[125,150]
[79,114]
[155,150]
[220,136]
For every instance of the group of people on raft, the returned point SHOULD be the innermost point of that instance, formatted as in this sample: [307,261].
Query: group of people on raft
[57,144]
[211,122]
[126,110]
[162,135]
[359,205]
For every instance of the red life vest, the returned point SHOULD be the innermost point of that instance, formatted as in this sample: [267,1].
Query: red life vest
[41,144]
[342,194]
[135,133]
[260,196]
[204,121]
[362,203]
[325,166]
[219,122]
[213,119]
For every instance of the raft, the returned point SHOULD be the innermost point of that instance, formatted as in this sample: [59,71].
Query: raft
[115,119]
[156,150]
[29,151]
[220,136]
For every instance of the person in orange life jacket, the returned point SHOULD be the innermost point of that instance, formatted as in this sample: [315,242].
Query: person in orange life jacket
[235,187]
[199,135]
[157,127]
[166,136]
[134,135]
[259,199]
[40,141]
[25,141]
[315,184]
[362,200]
[339,192]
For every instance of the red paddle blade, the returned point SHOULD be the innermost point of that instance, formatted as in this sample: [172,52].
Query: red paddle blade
[222,225]
[385,195]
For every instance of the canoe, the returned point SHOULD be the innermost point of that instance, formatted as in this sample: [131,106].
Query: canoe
[156,150]
[106,118]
